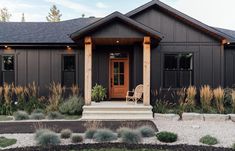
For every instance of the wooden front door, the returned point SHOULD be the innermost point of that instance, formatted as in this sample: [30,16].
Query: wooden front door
[119,78]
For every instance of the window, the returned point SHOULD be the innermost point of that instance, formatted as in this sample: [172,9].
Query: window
[178,70]
[8,74]
[68,70]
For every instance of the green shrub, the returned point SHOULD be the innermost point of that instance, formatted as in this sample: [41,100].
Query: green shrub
[90,133]
[38,111]
[209,140]
[121,130]
[54,115]
[104,135]
[66,133]
[98,93]
[167,137]
[233,146]
[72,106]
[131,137]
[37,116]
[49,138]
[146,131]
[77,139]
[5,142]
[39,132]
[21,115]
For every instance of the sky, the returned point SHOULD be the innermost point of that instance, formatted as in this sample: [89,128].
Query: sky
[217,13]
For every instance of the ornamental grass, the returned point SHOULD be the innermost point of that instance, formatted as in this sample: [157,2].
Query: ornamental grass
[219,98]
[206,95]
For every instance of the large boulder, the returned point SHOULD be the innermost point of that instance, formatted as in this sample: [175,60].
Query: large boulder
[171,117]
[216,117]
[192,117]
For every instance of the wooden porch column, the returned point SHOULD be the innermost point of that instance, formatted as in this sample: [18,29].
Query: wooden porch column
[146,70]
[88,70]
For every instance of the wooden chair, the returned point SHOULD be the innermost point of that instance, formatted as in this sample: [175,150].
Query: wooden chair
[135,95]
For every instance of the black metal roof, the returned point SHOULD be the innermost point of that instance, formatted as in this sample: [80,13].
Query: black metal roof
[41,32]
[230,33]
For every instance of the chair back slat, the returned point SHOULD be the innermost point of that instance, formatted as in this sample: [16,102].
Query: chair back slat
[138,91]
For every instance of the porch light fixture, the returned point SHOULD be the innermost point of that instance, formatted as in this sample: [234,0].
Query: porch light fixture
[68,47]
[5,46]
[117,41]
[228,43]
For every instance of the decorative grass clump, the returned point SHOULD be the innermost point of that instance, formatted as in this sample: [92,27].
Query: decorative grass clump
[104,135]
[66,133]
[5,142]
[46,137]
[146,131]
[54,115]
[167,137]
[131,137]
[209,140]
[233,146]
[206,95]
[89,134]
[37,116]
[21,115]
[77,139]
[72,106]
[121,130]
[219,98]
[38,111]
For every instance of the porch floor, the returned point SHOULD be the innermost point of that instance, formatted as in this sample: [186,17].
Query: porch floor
[117,110]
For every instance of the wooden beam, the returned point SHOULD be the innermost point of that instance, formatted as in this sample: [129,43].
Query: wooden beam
[146,70]
[88,70]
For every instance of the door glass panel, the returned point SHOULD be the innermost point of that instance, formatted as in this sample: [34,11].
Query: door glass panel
[121,79]
[115,79]
[121,67]
[115,67]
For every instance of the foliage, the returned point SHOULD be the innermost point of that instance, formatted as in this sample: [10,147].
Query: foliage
[233,146]
[72,106]
[233,101]
[104,135]
[37,116]
[228,97]
[219,98]
[206,96]
[38,111]
[6,92]
[21,115]
[66,133]
[167,137]
[5,142]
[4,15]
[54,14]
[190,102]
[162,106]
[146,131]
[98,93]
[5,118]
[48,138]
[131,137]
[209,140]
[121,130]
[77,138]
[90,133]
[39,132]
[56,96]
[75,90]
[54,115]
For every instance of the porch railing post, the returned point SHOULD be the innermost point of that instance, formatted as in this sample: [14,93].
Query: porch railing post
[146,70]
[88,70]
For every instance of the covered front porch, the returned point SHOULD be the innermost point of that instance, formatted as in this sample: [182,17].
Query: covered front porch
[119,32]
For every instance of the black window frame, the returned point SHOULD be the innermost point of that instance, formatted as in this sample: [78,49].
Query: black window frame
[64,71]
[178,69]
[4,71]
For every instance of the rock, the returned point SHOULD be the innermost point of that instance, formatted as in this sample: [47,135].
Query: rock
[171,117]
[232,117]
[192,116]
[216,117]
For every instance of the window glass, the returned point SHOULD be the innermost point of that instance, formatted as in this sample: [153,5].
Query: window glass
[170,62]
[8,63]
[185,61]
[69,63]
[118,55]
[69,70]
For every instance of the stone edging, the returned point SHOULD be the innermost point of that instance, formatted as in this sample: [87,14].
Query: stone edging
[196,116]
[181,147]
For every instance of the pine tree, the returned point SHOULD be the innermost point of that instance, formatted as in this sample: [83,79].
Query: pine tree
[23,18]
[4,15]
[83,15]
[54,14]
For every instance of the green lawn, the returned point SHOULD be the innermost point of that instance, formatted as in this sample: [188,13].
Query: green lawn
[5,118]
[4,142]
[72,117]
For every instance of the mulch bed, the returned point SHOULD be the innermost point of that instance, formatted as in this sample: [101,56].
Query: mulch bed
[122,146]
[75,126]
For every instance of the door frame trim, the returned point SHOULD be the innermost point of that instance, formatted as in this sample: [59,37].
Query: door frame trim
[128,77]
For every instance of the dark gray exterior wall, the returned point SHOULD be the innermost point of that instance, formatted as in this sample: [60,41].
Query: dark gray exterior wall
[208,53]
[229,67]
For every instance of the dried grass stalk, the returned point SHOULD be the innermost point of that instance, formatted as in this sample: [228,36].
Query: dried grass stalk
[233,100]
[75,90]
[219,98]
[206,96]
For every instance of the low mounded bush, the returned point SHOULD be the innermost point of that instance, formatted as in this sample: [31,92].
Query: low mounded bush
[37,116]
[21,115]
[209,140]
[54,115]
[167,137]
[90,133]
[38,111]
[146,131]
[66,133]
[233,146]
[121,130]
[131,136]
[104,135]
[49,138]
[72,106]
[39,132]
[77,138]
